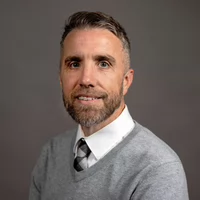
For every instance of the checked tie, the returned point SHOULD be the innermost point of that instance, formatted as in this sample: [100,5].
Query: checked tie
[83,152]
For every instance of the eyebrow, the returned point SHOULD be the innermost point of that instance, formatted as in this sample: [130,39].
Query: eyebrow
[73,58]
[105,57]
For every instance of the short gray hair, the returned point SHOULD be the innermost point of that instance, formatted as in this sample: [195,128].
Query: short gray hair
[85,19]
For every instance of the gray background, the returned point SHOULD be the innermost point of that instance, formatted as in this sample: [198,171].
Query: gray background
[165,38]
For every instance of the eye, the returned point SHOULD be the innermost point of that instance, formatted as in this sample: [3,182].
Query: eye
[74,64]
[104,64]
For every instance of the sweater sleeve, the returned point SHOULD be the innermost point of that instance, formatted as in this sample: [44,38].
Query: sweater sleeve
[166,182]
[39,175]
[34,192]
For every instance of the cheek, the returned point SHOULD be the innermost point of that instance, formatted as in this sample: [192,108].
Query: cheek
[112,84]
[67,83]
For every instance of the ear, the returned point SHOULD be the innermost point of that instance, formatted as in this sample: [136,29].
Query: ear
[60,69]
[60,81]
[128,79]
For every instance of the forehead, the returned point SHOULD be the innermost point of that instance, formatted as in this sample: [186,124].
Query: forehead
[91,40]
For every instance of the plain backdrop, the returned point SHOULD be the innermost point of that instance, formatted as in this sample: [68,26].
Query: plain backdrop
[165,95]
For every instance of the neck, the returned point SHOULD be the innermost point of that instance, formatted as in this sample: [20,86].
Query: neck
[90,130]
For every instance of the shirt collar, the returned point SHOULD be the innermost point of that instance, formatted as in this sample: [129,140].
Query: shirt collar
[102,141]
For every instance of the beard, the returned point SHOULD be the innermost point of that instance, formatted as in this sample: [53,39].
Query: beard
[89,115]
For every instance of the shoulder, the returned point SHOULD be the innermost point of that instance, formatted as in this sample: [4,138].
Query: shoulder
[160,173]
[54,153]
[59,142]
[150,148]
[55,149]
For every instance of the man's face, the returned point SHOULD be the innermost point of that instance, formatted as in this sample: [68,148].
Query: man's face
[92,75]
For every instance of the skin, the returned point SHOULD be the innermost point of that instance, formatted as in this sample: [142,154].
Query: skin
[93,64]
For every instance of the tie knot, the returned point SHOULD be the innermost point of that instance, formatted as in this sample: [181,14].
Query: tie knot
[83,147]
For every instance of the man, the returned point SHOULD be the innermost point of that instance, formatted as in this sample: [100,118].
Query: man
[109,156]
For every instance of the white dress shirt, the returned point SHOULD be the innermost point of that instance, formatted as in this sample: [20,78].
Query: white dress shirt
[105,139]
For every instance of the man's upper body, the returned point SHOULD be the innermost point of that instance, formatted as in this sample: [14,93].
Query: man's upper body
[139,166]
[120,159]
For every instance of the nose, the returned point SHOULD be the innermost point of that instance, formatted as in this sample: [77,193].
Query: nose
[87,76]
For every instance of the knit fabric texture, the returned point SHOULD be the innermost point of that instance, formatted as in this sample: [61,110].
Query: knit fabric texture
[141,167]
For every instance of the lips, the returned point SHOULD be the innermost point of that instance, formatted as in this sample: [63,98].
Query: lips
[88,95]
[84,98]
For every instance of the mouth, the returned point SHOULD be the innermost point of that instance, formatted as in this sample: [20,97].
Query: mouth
[87,98]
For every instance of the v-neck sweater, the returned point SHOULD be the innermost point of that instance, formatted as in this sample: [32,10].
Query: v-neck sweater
[140,167]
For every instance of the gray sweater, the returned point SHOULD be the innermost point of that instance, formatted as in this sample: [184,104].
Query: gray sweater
[141,167]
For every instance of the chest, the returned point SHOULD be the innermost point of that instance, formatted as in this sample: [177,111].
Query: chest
[102,184]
